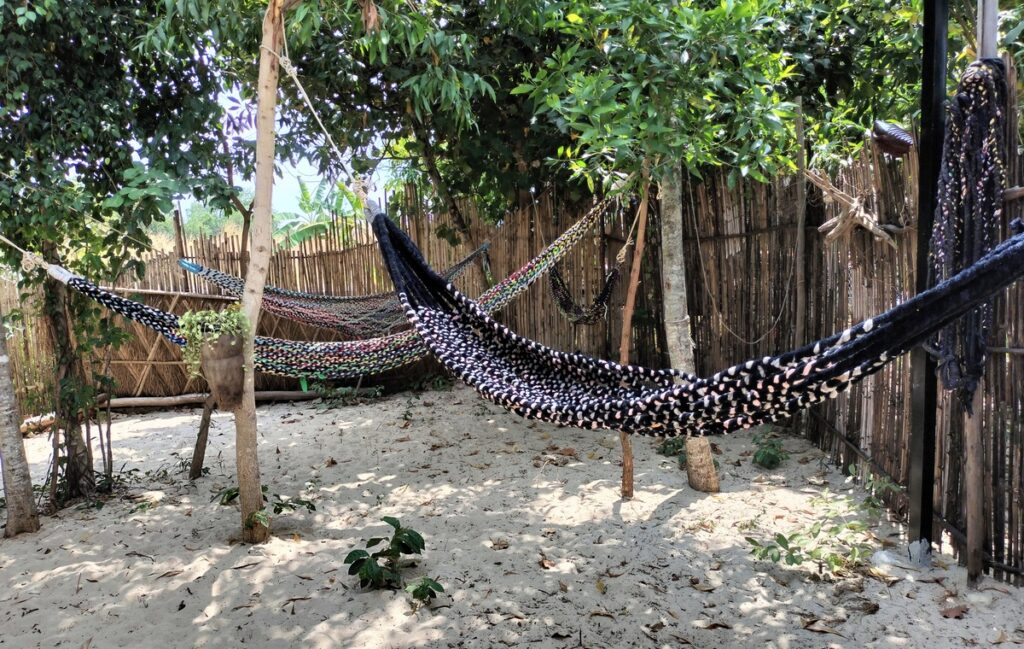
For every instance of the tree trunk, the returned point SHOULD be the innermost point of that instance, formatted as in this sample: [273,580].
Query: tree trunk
[700,465]
[250,495]
[21,507]
[78,471]
[673,274]
[627,328]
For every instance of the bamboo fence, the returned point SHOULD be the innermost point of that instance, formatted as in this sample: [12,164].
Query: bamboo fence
[346,262]
[740,245]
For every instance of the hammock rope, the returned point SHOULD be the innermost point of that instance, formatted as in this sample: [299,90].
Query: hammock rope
[969,214]
[333,360]
[361,316]
[537,382]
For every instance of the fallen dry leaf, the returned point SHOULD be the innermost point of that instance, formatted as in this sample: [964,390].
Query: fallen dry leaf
[602,614]
[818,626]
[711,624]
[601,586]
[546,563]
[568,451]
[331,462]
[169,573]
[499,544]
[883,577]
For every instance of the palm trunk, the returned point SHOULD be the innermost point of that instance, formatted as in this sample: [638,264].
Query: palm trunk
[21,508]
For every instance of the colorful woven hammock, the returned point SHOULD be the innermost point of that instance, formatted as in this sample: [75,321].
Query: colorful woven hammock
[537,382]
[361,316]
[576,313]
[345,359]
[969,213]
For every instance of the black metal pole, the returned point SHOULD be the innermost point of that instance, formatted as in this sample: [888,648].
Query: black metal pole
[922,366]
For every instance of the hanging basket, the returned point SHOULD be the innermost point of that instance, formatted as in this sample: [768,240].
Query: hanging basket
[223,366]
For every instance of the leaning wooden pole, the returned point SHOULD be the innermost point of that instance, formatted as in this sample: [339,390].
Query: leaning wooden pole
[627,326]
[255,528]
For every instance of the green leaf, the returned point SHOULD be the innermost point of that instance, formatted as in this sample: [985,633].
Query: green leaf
[392,521]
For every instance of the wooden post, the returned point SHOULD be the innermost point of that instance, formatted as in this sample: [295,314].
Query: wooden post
[988,29]
[922,367]
[627,325]
[974,486]
[801,224]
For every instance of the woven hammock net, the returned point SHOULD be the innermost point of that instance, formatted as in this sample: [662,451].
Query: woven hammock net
[969,213]
[541,383]
[344,359]
[577,313]
[362,316]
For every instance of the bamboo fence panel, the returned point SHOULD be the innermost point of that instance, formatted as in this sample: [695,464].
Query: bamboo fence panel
[346,261]
[739,245]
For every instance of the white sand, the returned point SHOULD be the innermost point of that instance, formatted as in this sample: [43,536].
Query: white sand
[673,564]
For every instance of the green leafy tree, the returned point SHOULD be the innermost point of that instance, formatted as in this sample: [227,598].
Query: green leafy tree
[97,135]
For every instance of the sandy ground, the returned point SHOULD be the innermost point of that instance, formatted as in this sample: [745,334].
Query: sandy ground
[531,552]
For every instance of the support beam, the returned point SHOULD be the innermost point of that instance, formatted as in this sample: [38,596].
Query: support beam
[988,29]
[922,366]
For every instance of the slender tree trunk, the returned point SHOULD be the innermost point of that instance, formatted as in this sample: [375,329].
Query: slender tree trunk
[673,274]
[250,495]
[21,508]
[627,327]
[78,474]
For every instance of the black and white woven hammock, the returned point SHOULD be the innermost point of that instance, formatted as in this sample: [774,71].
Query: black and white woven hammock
[969,215]
[538,382]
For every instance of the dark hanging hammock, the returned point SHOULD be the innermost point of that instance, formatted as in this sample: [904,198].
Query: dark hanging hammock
[359,316]
[969,214]
[537,382]
[576,313]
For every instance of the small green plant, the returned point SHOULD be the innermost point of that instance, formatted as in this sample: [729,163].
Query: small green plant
[424,590]
[838,541]
[278,505]
[201,327]
[404,541]
[433,383]
[335,397]
[769,453]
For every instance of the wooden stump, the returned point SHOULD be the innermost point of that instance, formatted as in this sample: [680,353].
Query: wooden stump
[700,466]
